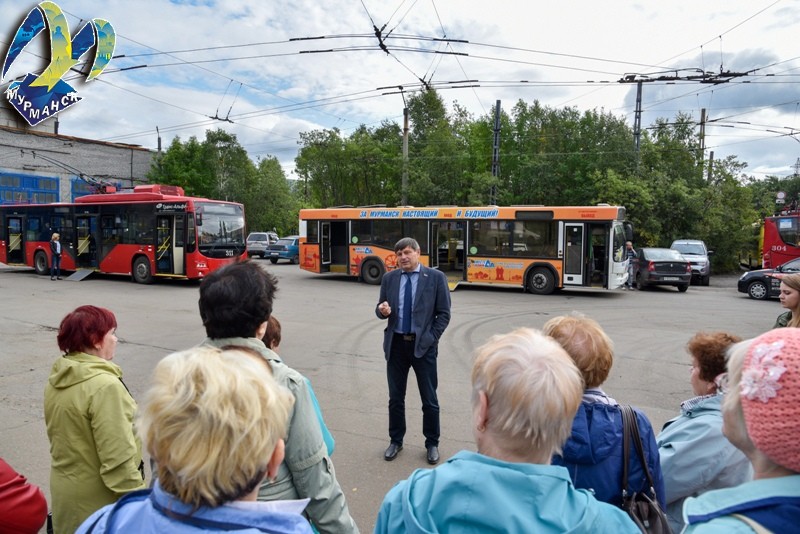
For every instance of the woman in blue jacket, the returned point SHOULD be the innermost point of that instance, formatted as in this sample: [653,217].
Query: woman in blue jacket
[761,417]
[525,389]
[695,455]
[593,453]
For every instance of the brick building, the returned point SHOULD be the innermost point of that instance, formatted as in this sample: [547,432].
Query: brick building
[38,165]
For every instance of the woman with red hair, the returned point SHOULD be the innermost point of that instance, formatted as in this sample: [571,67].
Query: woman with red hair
[95,455]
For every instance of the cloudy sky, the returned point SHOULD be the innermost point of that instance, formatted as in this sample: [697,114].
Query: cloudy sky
[267,70]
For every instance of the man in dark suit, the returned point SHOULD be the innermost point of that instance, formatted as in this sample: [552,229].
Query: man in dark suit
[416,301]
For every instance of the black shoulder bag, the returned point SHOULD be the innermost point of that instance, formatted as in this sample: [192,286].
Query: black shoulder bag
[643,508]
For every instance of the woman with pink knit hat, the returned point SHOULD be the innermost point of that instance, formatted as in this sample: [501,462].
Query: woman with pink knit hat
[761,417]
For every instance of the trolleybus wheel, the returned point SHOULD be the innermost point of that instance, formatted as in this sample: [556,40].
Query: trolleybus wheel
[541,281]
[141,271]
[372,272]
[40,263]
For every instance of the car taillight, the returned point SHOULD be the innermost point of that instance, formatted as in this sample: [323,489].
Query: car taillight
[688,267]
[651,266]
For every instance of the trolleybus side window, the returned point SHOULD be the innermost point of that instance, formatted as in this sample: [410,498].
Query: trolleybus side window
[419,231]
[312,232]
[387,232]
[362,232]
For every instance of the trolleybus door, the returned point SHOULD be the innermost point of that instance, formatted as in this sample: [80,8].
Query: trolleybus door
[16,242]
[325,243]
[573,254]
[86,246]
[433,243]
[170,244]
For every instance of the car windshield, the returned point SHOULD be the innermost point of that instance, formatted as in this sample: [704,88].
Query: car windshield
[662,254]
[689,248]
[285,242]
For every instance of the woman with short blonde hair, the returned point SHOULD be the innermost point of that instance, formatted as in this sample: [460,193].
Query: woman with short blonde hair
[525,390]
[213,420]
[588,345]
[593,453]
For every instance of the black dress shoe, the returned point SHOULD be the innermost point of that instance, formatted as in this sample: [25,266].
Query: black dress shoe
[433,455]
[391,451]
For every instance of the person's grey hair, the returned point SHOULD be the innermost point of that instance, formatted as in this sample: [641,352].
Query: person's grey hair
[533,388]
[406,242]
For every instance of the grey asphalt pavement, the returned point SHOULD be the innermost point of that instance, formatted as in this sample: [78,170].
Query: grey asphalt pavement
[331,334]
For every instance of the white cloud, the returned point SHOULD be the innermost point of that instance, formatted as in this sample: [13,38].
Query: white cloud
[556,46]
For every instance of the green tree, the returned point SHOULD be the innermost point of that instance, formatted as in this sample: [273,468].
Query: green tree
[219,168]
[184,164]
[276,206]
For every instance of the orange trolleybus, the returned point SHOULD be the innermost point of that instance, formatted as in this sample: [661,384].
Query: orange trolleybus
[539,248]
[152,231]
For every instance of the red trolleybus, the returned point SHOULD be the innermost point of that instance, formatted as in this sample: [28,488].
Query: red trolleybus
[781,239]
[540,248]
[152,231]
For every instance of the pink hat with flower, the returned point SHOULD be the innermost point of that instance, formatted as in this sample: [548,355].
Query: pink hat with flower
[770,395]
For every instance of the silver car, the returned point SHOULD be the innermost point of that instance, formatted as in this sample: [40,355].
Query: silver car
[259,242]
[697,253]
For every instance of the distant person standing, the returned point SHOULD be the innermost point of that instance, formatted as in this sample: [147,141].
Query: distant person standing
[416,301]
[630,255]
[55,252]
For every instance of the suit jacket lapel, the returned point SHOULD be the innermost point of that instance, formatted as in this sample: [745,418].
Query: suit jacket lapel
[424,276]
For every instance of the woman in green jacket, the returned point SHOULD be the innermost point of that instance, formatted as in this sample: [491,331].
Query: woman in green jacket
[95,455]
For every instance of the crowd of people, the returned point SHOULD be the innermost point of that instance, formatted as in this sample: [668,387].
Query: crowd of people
[237,439]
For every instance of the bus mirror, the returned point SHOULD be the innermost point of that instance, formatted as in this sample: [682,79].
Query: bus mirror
[199,218]
[628,231]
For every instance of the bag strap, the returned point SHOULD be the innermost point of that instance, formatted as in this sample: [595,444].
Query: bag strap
[631,432]
[752,523]
[626,440]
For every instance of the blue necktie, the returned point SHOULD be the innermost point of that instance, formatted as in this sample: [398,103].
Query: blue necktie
[407,304]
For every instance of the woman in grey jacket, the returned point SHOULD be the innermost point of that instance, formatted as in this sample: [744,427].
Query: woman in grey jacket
[695,455]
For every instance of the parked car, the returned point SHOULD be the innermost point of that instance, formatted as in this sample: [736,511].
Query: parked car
[286,248]
[662,266]
[760,285]
[257,243]
[697,253]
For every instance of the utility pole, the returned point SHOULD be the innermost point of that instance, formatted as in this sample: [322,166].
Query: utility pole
[637,117]
[404,181]
[495,155]
[702,131]
[710,165]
